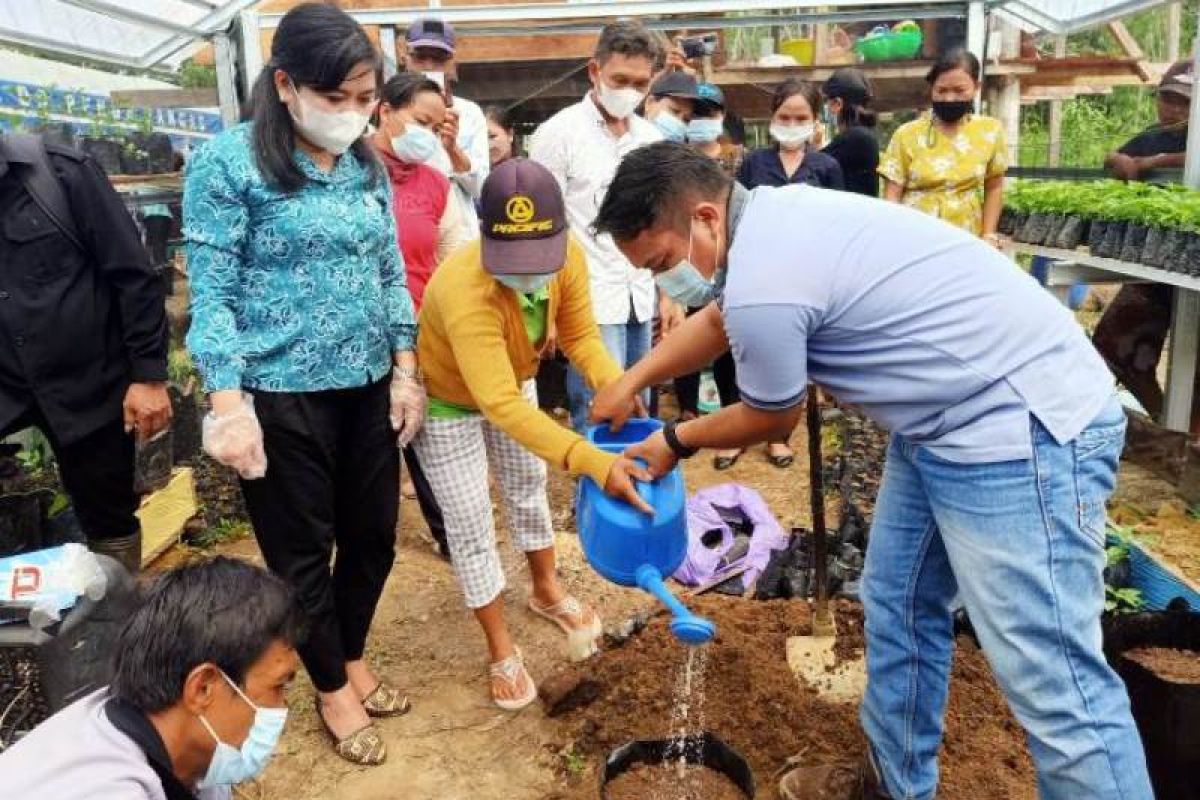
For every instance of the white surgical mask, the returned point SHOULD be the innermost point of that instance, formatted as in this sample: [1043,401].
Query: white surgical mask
[231,765]
[525,284]
[332,131]
[620,103]
[792,137]
[416,146]
[684,284]
[672,127]
[703,131]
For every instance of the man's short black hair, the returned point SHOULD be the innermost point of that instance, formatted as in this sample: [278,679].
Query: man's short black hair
[223,611]
[659,182]
[629,38]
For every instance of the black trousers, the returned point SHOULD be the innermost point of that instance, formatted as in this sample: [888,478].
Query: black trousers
[430,509]
[333,481]
[97,472]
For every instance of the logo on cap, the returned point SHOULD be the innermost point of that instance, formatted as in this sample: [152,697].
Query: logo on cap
[519,209]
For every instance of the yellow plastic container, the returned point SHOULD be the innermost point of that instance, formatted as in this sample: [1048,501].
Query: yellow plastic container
[803,50]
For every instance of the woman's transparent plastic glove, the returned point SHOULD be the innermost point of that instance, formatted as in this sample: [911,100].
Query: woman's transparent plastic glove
[235,439]
[408,403]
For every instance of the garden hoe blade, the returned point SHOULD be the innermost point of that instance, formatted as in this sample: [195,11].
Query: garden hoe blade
[812,658]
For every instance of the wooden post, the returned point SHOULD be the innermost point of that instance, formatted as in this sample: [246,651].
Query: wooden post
[822,619]
[1056,111]
[1174,30]
[227,92]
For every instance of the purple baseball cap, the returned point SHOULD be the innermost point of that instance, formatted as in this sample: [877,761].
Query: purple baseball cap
[522,220]
[429,32]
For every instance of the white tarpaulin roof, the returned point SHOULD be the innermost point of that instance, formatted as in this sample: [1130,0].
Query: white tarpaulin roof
[1068,16]
[134,33]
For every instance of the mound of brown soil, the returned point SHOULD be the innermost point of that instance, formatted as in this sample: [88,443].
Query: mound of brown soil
[1173,666]
[755,705]
[665,781]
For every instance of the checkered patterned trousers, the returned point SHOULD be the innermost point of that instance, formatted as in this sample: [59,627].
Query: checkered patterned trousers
[452,453]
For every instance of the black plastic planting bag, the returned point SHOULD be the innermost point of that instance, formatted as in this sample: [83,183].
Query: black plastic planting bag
[1018,223]
[1037,228]
[1134,243]
[1165,711]
[704,748]
[1114,238]
[1191,256]
[1053,229]
[1172,253]
[1073,233]
[1096,233]
[1008,222]
[1152,251]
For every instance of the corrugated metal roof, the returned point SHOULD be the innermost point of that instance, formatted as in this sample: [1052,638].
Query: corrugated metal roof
[134,33]
[1068,16]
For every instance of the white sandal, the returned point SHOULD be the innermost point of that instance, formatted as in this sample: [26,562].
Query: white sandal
[512,672]
[581,641]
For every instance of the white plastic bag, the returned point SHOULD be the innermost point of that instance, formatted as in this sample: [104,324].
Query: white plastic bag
[48,582]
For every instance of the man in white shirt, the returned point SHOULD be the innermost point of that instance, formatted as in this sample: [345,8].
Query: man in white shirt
[463,156]
[198,698]
[582,145]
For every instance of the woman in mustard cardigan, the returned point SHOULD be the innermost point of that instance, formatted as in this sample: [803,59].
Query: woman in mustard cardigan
[487,313]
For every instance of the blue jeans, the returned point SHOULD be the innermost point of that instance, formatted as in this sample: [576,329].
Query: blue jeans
[627,344]
[1022,544]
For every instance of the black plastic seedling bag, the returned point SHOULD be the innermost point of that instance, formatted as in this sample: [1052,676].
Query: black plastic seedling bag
[1152,251]
[1073,233]
[1007,223]
[1166,712]
[1173,251]
[703,748]
[1037,228]
[1114,238]
[1096,233]
[1134,243]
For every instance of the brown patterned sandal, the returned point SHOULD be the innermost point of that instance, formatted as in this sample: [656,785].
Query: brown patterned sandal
[364,747]
[386,701]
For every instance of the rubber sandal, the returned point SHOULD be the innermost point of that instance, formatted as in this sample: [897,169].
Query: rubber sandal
[364,747]
[386,701]
[722,463]
[581,641]
[782,462]
[512,671]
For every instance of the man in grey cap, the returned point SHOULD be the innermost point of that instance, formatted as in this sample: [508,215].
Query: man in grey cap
[463,157]
[1163,145]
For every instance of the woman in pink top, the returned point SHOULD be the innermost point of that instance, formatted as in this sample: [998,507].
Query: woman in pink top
[412,109]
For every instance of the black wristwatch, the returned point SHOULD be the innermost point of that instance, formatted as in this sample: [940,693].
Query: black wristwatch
[677,447]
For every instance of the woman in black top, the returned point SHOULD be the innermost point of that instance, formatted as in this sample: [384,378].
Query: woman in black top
[792,159]
[855,148]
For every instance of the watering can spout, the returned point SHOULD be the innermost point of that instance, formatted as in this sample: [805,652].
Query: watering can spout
[687,627]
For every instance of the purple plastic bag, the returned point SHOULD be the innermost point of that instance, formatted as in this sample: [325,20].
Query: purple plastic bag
[700,564]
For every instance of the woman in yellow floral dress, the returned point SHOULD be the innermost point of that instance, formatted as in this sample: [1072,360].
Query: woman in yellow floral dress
[950,162]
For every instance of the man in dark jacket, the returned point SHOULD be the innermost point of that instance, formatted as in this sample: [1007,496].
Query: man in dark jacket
[83,335]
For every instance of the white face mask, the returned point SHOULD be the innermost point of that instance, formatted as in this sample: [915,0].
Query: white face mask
[620,103]
[792,137]
[685,284]
[416,146]
[525,284]
[332,131]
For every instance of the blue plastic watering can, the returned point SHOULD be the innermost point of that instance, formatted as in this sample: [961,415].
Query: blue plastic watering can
[630,548]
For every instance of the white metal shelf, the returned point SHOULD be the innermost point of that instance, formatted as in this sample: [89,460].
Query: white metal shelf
[1079,266]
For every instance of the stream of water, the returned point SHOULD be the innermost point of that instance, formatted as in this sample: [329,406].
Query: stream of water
[687,711]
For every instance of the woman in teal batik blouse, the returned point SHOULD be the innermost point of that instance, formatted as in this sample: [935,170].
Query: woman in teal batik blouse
[304,333]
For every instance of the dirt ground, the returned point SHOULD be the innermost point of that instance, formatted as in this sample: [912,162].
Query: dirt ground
[1150,509]
[454,745]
